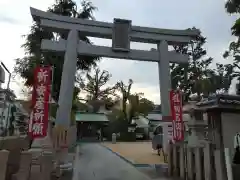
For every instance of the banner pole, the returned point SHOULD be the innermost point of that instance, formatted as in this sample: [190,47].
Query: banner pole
[51,90]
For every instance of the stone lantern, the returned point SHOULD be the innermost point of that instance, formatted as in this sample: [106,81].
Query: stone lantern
[196,129]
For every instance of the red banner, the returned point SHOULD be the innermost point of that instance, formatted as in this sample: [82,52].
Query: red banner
[176,112]
[38,123]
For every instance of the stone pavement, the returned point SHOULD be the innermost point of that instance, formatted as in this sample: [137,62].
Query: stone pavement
[139,153]
[94,161]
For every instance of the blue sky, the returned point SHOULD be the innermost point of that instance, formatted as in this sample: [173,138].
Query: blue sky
[207,15]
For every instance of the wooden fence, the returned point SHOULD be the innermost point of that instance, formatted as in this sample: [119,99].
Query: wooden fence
[198,163]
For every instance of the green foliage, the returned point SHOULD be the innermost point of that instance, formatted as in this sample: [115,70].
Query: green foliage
[235,52]
[190,78]
[133,106]
[115,115]
[197,76]
[222,76]
[34,56]
[119,127]
[95,87]
[145,106]
[137,104]
[125,91]
[233,7]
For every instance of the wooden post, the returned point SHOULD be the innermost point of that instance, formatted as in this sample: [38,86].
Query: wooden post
[220,171]
[198,163]
[228,163]
[182,162]
[190,171]
[4,154]
[175,160]
[170,160]
[25,166]
[46,165]
[207,162]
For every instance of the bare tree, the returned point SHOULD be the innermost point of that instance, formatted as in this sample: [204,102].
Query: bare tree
[96,88]
[125,91]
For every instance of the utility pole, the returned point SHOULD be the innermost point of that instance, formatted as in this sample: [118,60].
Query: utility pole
[5,95]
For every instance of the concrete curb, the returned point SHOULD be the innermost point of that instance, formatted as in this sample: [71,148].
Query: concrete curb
[134,164]
[123,158]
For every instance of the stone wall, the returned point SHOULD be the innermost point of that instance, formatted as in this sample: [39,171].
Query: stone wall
[16,158]
[196,163]
[17,161]
[230,127]
[12,146]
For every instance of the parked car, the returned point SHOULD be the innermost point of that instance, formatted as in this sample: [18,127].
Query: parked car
[140,134]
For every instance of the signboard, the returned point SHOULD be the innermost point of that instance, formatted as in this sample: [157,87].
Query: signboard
[121,38]
[176,112]
[38,122]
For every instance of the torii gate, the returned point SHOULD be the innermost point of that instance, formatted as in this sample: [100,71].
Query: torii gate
[122,33]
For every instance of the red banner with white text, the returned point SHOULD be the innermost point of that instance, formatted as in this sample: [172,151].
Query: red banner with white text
[176,112]
[38,122]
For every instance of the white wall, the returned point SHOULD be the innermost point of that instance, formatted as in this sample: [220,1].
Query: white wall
[230,126]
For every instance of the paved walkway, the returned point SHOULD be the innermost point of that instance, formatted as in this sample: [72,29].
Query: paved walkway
[96,162]
[136,152]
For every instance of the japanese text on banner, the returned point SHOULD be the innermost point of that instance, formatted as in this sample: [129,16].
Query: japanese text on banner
[176,112]
[40,102]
